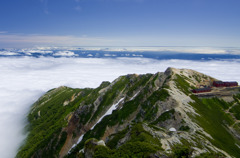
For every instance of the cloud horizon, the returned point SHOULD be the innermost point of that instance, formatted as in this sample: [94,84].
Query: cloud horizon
[20,40]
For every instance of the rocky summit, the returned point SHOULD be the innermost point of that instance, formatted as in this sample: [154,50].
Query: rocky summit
[151,115]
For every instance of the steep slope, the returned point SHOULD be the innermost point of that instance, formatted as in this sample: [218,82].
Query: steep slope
[150,115]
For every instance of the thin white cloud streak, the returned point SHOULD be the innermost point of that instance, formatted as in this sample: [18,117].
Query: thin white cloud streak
[20,40]
[32,51]
[45,6]
[78,8]
[24,80]
[30,40]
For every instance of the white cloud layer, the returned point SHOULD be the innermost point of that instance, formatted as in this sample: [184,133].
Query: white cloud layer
[24,80]
[197,50]
[65,53]
[8,53]
[180,49]
[69,51]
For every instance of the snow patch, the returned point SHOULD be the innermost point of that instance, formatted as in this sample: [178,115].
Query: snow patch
[109,112]
[172,129]
[74,145]
[135,95]
[101,142]
[237,145]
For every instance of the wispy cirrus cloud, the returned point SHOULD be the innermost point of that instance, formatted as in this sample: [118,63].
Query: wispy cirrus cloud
[78,8]
[45,6]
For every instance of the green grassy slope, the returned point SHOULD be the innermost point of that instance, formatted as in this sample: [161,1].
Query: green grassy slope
[216,122]
[48,124]
[214,118]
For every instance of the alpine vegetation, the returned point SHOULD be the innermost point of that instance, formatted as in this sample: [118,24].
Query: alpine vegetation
[150,115]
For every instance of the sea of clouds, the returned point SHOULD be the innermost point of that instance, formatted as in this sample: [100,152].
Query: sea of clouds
[23,80]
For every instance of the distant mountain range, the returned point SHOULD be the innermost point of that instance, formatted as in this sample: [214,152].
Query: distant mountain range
[108,53]
[151,115]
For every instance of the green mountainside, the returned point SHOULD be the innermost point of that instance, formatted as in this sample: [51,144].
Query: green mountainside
[151,115]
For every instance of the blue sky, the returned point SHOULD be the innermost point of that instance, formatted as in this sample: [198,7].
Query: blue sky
[26,23]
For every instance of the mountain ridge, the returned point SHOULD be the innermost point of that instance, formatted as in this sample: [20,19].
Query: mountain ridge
[159,106]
